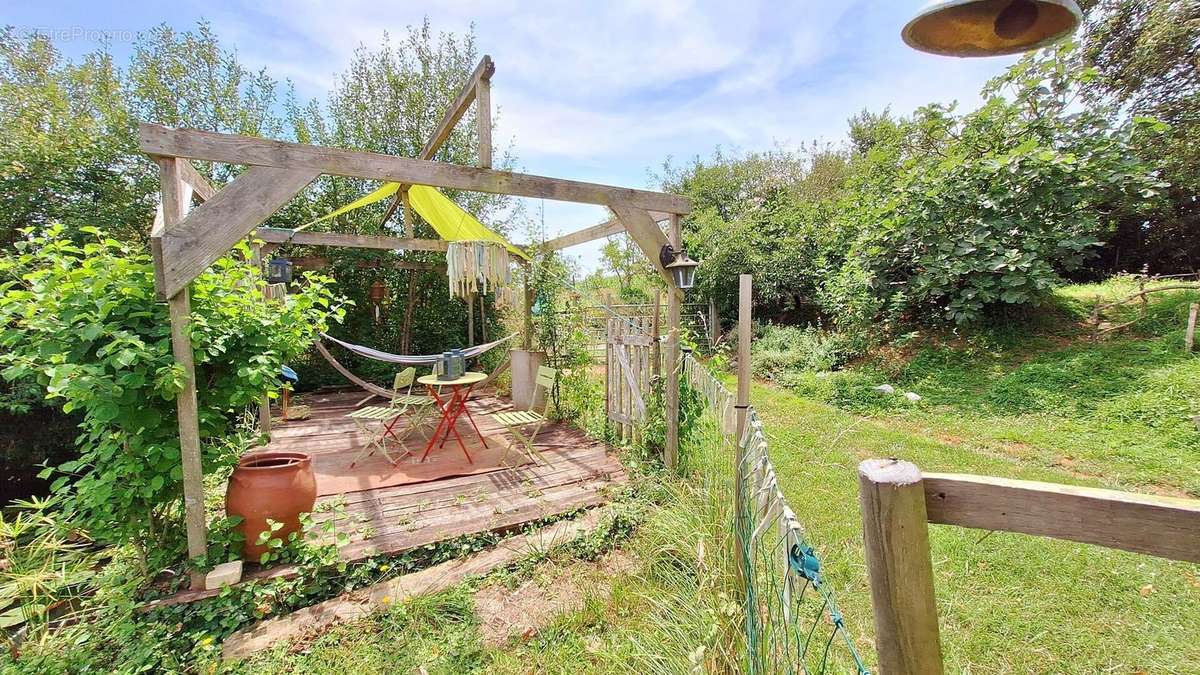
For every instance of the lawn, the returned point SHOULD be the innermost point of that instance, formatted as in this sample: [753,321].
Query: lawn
[1050,406]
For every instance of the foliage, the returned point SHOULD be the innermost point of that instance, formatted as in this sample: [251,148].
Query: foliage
[974,212]
[1144,53]
[937,217]
[778,349]
[82,321]
[47,567]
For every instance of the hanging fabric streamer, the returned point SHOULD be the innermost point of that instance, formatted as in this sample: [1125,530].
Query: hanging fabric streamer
[479,267]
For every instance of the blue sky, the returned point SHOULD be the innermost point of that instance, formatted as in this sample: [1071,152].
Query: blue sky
[599,91]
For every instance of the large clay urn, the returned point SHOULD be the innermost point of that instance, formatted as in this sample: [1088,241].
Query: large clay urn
[270,485]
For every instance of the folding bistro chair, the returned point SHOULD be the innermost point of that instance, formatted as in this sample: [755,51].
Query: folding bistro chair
[516,420]
[420,411]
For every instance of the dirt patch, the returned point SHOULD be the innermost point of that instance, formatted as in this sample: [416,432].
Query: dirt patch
[507,613]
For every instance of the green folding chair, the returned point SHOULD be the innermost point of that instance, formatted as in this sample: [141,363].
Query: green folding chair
[517,420]
[377,423]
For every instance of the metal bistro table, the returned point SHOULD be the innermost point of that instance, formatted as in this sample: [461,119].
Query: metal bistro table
[452,408]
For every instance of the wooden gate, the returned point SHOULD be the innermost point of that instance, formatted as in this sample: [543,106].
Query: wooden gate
[631,348]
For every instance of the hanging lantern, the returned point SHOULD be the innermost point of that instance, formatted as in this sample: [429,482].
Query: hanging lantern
[378,291]
[279,270]
[681,267]
[990,27]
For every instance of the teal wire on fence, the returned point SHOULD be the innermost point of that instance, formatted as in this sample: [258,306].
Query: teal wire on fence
[792,621]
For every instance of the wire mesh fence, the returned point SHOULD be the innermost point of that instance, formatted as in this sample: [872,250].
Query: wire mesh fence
[792,621]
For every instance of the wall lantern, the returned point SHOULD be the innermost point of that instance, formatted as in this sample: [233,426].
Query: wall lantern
[681,267]
[279,270]
[990,27]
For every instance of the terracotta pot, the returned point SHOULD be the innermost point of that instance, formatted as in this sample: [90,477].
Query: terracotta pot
[270,485]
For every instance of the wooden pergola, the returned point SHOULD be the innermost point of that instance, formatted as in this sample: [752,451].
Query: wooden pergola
[186,242]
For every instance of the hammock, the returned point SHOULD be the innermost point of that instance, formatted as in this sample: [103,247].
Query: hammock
[421,360]
[384,392]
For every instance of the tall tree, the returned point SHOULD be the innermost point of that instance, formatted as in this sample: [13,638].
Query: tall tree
[1147,58]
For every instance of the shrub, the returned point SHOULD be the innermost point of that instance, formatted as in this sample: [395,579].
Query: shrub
[783,349]
[82,321]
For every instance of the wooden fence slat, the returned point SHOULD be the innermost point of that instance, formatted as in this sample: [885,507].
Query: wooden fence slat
[1168,527]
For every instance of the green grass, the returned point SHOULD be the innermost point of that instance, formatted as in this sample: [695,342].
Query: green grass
[1008,603]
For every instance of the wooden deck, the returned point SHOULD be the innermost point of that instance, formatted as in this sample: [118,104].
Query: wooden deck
[576,471]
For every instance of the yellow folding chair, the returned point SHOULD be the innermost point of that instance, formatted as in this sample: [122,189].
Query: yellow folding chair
[516,420]
[377,423]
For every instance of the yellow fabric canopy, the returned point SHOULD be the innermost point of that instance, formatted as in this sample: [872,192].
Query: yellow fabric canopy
[448,219]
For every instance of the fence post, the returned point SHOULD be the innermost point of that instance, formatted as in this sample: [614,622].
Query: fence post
[896,539]
[745,285]
[655,329]
[1190,338]
[714,324]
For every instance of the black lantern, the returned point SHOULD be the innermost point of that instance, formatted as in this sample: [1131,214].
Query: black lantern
[279,270]
[681,267]
[990,27]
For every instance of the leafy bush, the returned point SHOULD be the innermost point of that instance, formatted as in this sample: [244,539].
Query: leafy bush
[82,321]
[782,349]
[967,213]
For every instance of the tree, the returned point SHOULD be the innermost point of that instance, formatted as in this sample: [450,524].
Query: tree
[1145,53]
[959,216]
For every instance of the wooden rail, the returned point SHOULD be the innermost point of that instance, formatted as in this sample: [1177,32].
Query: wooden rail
[898,502]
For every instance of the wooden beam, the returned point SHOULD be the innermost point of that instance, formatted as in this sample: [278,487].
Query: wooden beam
[232,149]
[1167,527]
[316,262]
[198,182]
[174,194]
[483,73]
[900,572]
[606,229]
[274,235]
[185,250]
[648,237]
[483,122]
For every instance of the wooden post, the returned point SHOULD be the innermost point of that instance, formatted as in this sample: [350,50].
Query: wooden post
[896,539]
[745,311]
[674,298]
[655,329]
[483,319]
[408,213]
[483,121]
[1190,338]
[527,341]
[714,323]
[1142,292]
[264,406]
[471,320]
[174,208]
